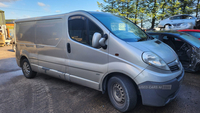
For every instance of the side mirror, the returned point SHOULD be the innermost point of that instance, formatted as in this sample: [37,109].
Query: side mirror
[95,40]
[98,41]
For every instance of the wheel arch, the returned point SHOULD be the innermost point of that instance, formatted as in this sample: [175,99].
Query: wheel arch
[108,76]
[22,58]
[167,24]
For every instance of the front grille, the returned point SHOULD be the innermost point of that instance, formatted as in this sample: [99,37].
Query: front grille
[174,68]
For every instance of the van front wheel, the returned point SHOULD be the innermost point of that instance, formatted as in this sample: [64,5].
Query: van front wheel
[122,93]
[26,69]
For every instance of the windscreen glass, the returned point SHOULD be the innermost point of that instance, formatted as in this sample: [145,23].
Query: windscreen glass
[121,27]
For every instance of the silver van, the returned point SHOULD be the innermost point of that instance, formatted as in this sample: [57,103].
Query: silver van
[101,51]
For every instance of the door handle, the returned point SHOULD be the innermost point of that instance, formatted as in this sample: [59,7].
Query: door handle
[68,48]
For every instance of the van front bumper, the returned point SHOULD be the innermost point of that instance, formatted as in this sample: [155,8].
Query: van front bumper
[160,93]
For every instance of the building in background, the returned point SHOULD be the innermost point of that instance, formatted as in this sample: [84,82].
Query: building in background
[3,24]
[10,28]
[3,32]
[6,30]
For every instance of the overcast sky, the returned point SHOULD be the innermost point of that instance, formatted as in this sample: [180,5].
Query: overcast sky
[16,9]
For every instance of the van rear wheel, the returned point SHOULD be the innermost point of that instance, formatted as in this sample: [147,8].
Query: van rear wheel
[26,69]
[122,93]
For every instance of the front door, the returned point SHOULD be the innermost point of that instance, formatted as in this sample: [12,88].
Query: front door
[87,64]
[176,20]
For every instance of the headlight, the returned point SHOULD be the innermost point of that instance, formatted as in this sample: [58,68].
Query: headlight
[152,59]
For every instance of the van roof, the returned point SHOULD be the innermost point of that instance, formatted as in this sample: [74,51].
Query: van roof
[55,16]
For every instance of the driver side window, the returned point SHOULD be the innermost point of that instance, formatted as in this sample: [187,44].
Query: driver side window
[82,29]
[92,27]
[77,29]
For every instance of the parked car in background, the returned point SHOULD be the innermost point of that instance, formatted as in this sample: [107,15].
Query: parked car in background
[101,51]
[193,32]
[186,46]
[180,22]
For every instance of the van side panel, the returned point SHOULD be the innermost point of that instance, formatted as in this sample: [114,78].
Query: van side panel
[51,47]
[25,37]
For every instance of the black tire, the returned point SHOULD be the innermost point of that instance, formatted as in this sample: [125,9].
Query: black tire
[167,25]
[26,69]
[122,93]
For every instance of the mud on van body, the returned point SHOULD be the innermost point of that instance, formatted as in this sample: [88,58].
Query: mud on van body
[101,51]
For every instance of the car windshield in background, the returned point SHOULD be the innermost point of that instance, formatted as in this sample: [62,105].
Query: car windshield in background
[192,40]
[195,34]
[121,27]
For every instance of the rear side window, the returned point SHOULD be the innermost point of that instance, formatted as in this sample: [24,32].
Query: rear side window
[49,32]
[175,18]
[187,17]
[25,32]
[81,29]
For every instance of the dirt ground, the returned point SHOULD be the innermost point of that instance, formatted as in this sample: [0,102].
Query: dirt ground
[45,94]
[6,52]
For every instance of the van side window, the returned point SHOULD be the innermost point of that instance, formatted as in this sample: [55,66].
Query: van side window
[82,29]
[92,29]
[77,29]
[49,32]
[25,32]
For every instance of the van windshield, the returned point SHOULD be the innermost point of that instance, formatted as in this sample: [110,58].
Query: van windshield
[121,27]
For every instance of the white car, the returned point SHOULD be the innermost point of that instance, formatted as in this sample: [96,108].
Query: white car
[179,22]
